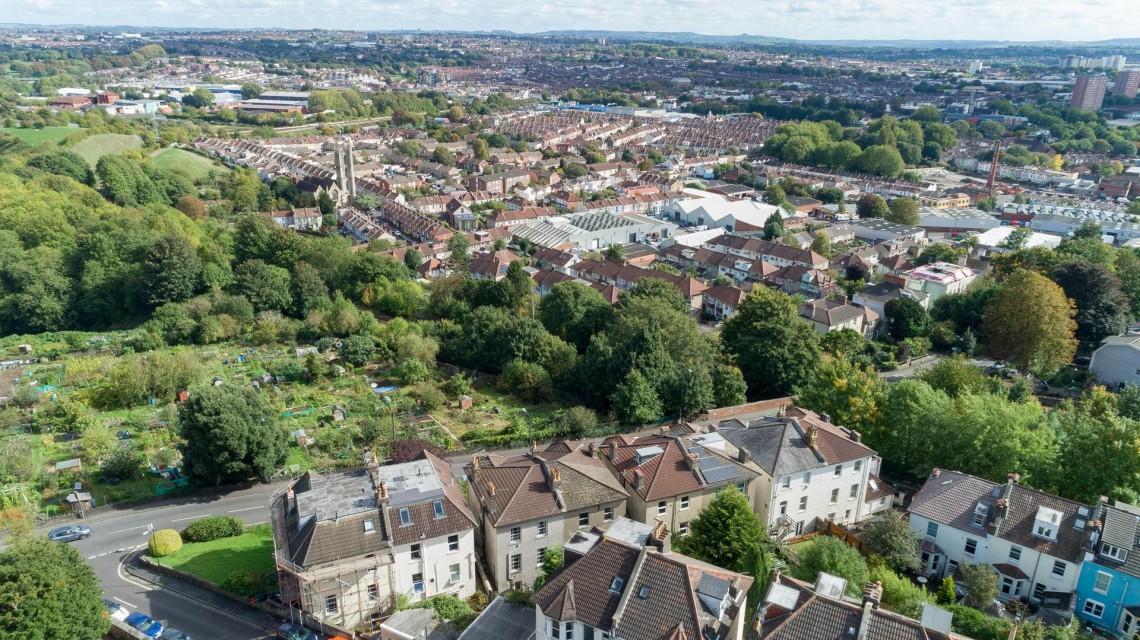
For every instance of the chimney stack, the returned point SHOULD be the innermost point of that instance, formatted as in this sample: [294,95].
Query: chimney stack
[637,479]
[693,460]
[741,454]
[382,492]
[782,411]
[555,476]
[591,449]
[491,489]
[826,417]
[856,436]
[873,594]
[613,451]
[660,537]
[812,435]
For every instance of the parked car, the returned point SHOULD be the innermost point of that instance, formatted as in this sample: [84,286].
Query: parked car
[70,533]
[294,631]
[115,610]
[145,624]
[173,634]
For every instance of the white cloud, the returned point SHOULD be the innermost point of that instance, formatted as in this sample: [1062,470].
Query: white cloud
[800,19]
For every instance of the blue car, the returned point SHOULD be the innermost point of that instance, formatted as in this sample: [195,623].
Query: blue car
[293,631]
[173,634]
[145,624]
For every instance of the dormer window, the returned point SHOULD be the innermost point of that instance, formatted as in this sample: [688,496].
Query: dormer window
[437,506]
[1046,523]
[369,526]
[405,517]
[1114,552]
[980,512]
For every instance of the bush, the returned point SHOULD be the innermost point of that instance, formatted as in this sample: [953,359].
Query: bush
[241,583]
[430,397]
[213,528]
[834,556]
[125,463]
[163,543]
[411,371]
[900,594]
[977,625]
[526,380]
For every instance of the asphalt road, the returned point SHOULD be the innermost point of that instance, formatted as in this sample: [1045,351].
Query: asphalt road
[115,534]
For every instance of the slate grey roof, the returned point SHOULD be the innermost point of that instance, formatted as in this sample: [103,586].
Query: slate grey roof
[501,620]
[950,497]
[819,617]
[779,444]
[326,518]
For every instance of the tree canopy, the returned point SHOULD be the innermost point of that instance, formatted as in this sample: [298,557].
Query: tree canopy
[48,592]
[775,350]
[230,434]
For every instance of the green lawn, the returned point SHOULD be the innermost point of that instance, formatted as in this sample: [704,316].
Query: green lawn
[251,552]
[36,136]
[191,165]
[103,144]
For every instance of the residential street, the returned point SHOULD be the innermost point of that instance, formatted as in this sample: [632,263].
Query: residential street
[117,533]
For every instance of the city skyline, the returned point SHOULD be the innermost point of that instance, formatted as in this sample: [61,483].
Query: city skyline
[1022,21]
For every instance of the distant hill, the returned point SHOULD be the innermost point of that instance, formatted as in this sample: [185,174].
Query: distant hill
[681,37]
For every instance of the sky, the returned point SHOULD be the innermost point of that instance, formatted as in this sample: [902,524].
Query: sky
[799,19]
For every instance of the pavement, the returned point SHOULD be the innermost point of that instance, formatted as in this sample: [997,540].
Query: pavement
[118,535]
[918,365]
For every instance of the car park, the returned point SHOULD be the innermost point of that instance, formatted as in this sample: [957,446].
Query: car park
[144,624]
[70,533]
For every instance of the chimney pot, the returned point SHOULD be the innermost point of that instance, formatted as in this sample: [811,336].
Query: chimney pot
[491,489]
[826,417]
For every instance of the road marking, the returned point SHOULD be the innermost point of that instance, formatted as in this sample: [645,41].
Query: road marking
[124,602]
[205,515]
[122,576]
[253,524]
[246,509]
[126,530]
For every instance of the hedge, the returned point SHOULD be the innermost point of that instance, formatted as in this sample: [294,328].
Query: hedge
[164,542]
[213,528]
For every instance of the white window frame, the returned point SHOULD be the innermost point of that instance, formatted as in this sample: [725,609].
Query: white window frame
[1060,564]
[437,508]
[662,508]
[683,528]
[373,593]
[417,551]
[542,529]
[1107,584]
[854,493]
[331,603]
[453,543]
[838,470]
[405,517]
[966,548]
[684,502]
[420,588]
[514,563]
[1015,554]
[1111,551]
[541,556]
[456,573]
[834,496]
[857,467]
[803,504]
[1094,605]
[516,534]
[932,529]
[608,514]
[585,515]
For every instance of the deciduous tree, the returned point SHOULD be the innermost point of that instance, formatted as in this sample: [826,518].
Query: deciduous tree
[1030,323]
[774,349]
[890,537]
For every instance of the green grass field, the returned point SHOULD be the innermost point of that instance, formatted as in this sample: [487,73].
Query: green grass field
[103,144]
[251,552]
[191,165]
[51,135]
